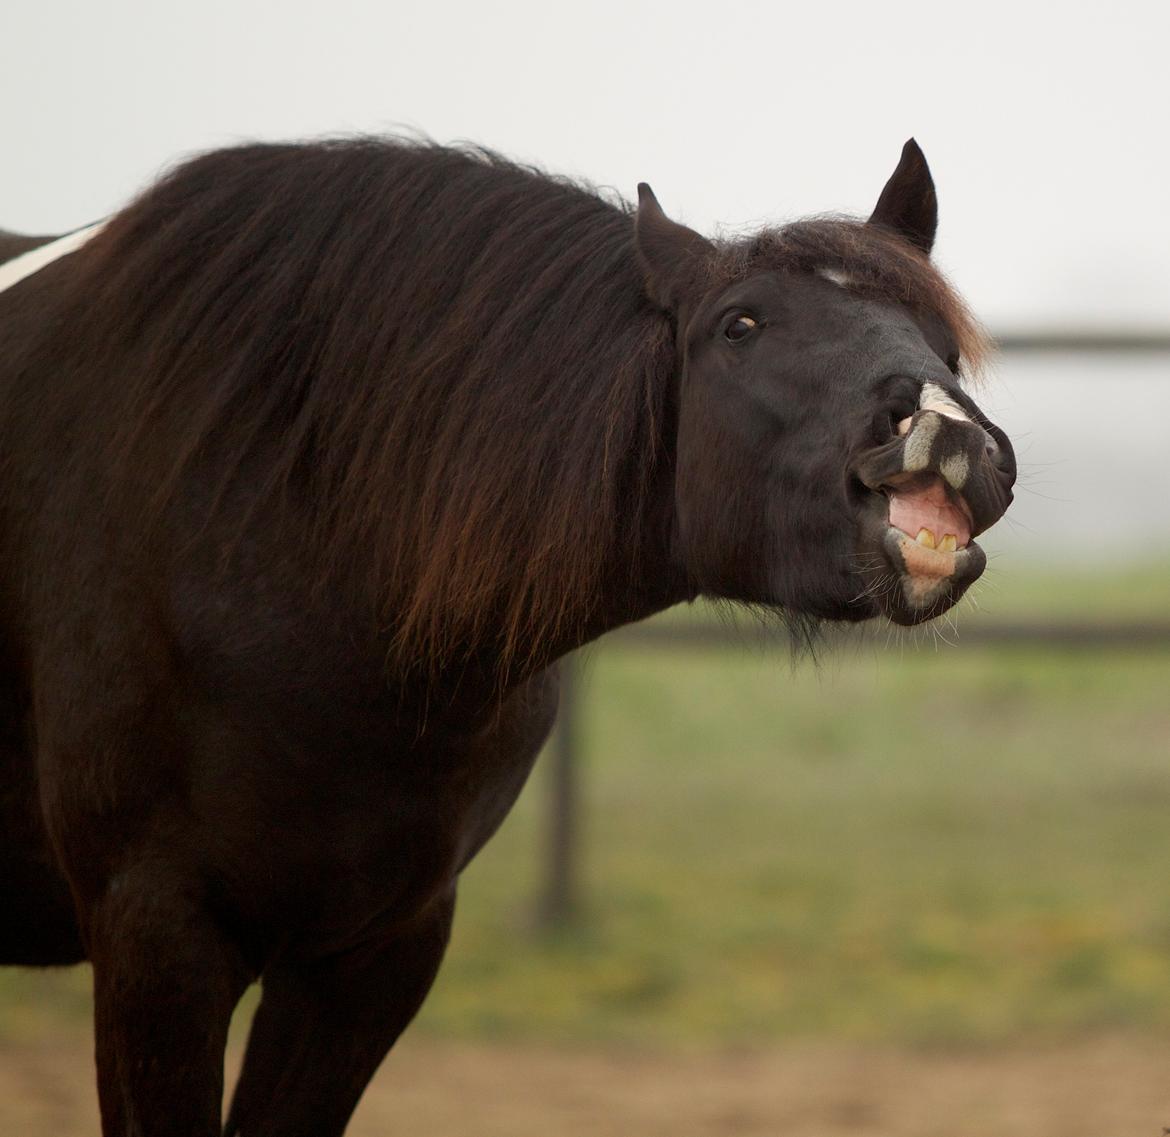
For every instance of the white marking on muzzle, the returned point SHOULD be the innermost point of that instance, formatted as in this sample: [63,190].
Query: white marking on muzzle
[15,270]
[916,456]
[934,398]
[954,469]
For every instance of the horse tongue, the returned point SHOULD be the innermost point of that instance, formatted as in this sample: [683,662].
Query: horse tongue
[929,508]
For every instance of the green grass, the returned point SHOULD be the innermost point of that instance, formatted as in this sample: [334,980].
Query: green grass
[930,844]
[1130,592]
[920,845]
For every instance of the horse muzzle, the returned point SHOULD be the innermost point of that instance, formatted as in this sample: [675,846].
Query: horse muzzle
[940,482]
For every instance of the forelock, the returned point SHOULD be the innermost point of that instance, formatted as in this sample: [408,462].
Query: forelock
[872,261]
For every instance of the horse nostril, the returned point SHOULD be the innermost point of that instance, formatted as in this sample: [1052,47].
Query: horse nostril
[999,456]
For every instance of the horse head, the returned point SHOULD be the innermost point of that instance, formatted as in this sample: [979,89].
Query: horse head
[828,460]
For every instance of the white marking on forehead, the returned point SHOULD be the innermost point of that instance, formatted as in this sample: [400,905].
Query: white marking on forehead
[934,398]
[15,270]
[835,276]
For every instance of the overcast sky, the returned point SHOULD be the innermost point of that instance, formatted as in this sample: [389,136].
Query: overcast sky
[1045,127]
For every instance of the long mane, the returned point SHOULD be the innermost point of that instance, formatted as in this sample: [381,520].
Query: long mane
[440,366]
[439,369]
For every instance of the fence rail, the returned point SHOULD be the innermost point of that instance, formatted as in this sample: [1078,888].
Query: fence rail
[1107,342]
[1085,634]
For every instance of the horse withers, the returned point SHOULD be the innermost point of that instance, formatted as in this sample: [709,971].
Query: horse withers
[316,458]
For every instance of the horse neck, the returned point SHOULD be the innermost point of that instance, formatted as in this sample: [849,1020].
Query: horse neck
[641,578]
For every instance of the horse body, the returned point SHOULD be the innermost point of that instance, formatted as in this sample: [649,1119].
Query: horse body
[183,738]
[278,638]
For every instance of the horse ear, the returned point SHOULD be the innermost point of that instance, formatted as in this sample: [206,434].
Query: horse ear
[670,254]
[908,204]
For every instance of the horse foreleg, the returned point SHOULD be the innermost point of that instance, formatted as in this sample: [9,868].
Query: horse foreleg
[38,924]
[322,1029]
[38,927]
[166,979]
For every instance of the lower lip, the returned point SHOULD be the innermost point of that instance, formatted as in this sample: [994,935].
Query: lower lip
[920,560]
[929,576]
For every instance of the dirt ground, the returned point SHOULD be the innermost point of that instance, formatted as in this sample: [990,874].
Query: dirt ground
[1098,1088]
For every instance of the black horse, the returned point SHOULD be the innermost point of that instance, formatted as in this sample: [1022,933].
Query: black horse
[315,459]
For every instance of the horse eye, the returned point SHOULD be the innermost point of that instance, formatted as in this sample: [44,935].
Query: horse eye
[740,328]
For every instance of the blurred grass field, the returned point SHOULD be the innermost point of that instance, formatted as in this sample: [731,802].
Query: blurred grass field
[901,844]
[910,844]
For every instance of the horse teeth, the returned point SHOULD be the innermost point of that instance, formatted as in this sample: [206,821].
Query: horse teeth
[925,537]
[948,544]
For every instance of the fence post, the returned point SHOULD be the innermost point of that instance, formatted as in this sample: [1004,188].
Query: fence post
[560,904]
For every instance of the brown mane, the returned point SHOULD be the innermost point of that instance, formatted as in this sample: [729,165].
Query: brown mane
[453,354]
[431,363]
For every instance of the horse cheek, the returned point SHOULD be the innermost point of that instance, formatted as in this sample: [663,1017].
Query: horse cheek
[722,498]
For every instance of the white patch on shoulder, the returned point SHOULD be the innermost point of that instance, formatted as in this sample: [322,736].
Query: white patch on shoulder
[835,276]
[934,398]
[15,270]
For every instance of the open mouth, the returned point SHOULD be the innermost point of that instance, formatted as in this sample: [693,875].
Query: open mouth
[924,495]
[923,507]
[927,540]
